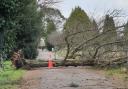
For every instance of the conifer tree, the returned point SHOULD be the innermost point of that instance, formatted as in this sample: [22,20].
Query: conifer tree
[126,31]
[77,29]
[109,29]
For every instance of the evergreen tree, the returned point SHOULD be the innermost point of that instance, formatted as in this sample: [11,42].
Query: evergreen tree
[8,23]
[20,24]
[109,34]
[30,27]
[109,29]
[77,18]
[53,20]
[126,31]
[77,29]
[50,28]
[126,37]
[95,26]
[78,22]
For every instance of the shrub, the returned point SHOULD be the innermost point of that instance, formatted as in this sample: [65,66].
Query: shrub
[30,52]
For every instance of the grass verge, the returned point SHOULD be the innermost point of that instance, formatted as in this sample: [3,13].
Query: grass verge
[118,73]
[10,77]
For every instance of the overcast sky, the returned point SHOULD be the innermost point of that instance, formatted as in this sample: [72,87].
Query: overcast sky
[95,7]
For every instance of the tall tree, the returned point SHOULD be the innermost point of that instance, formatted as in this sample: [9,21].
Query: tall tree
[49,29]
[125,44]
[126,31]
[53,21]
[77,29]
[109,29]
[30,27]
[8,23]
[21,24]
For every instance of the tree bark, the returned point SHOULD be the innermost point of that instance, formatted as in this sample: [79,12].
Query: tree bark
[68,50]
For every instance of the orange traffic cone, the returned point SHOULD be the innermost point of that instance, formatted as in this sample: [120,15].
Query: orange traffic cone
[50,64]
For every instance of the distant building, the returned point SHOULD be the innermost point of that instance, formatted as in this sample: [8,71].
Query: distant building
[42,43]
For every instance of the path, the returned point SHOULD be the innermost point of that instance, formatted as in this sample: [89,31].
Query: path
[45,55]
[67,78]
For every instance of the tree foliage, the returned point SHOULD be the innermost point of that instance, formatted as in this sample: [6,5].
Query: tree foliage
[78,17]
[50,28]
[8,23]
[21,24]
[126,31]
[92,41]
[52,22]
[77,29]
[30,27]
[109,25]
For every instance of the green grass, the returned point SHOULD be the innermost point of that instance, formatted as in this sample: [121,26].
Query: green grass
[10,77]
[117,72]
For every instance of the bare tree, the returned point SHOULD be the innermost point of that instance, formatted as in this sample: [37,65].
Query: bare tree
[90,43]
[56,38]
[47,3]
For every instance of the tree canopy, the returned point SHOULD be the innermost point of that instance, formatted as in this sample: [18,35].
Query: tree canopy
[109,29]
[21,24]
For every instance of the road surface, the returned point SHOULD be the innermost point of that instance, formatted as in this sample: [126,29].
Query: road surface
[67,78]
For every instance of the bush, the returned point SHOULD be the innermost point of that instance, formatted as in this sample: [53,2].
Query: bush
[30,52]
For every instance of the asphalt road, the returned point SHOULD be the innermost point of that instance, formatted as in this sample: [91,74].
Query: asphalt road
[68,78]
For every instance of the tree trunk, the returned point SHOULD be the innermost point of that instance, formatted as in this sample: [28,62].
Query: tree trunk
[68,51]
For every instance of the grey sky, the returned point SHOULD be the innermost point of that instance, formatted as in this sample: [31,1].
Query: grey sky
[92,7]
